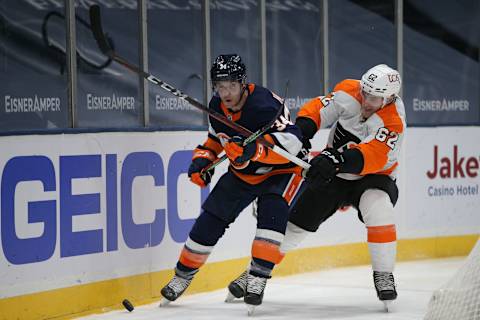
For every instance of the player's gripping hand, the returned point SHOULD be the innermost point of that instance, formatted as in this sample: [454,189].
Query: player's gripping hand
[239,154]
[324,167]
[201,159]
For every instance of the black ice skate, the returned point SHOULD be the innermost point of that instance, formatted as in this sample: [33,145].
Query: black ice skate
[385,286]
[174,289]
[254,292]
[236,288]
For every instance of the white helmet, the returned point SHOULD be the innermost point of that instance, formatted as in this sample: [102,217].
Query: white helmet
[381,81]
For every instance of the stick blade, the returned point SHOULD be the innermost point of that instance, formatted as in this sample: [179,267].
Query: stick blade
[96,25]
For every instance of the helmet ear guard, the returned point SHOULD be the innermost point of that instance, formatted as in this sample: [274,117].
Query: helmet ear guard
[381,81]
[228,67]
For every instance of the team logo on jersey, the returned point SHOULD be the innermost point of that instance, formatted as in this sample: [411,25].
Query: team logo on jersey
[393,78]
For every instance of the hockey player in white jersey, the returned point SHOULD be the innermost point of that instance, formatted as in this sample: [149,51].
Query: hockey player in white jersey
[358,168]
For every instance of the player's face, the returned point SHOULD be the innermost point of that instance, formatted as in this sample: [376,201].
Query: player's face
[370,104]
[229,92]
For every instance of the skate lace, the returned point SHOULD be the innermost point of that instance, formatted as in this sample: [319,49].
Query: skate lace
[179,284]
[256,284]
[242,280]
[384,281]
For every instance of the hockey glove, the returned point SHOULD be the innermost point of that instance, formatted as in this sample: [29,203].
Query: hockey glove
[324,167]
[239,154]
[202,157]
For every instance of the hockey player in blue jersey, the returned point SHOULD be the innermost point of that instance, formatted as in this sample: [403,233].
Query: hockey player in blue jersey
[254,172]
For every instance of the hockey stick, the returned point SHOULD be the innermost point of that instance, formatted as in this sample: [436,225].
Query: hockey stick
[251,138]
[104,46]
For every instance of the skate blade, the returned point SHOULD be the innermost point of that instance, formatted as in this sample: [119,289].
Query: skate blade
[230,297]
[164,302]
[250,310]
[387,305]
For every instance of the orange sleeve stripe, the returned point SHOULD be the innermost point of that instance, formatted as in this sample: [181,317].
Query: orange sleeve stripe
[382,234]
[267,251]
[213,145]
[375,155]
[192,260]
[311,110]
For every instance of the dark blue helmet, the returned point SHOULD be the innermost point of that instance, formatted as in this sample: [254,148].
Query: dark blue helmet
[228,67]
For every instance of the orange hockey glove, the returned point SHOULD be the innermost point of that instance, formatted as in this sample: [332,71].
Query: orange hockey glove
[202,157]
[239,154]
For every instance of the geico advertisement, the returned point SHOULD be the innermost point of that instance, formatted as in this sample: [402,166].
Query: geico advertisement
[78,208]
[442,186]
[88,207]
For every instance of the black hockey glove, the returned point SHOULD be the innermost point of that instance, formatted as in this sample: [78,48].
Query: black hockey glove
[324,167]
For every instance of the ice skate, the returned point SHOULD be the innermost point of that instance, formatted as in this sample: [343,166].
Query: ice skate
[385,287]
[236,288]
[174,289]
[254,292]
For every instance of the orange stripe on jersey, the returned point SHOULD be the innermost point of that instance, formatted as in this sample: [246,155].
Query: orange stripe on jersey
[311,109]
[256,179]
[292,188]
[382,234]
[267,251]
[192,260]
[213,145]
[351,87]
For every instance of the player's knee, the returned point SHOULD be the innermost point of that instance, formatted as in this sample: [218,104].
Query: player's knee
[376,208]
[272,213]
[293,237]
[208,228]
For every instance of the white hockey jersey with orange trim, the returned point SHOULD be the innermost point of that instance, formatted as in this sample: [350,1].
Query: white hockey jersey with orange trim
[379,137]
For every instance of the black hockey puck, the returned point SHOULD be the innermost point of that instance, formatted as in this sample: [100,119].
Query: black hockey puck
[128,305]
